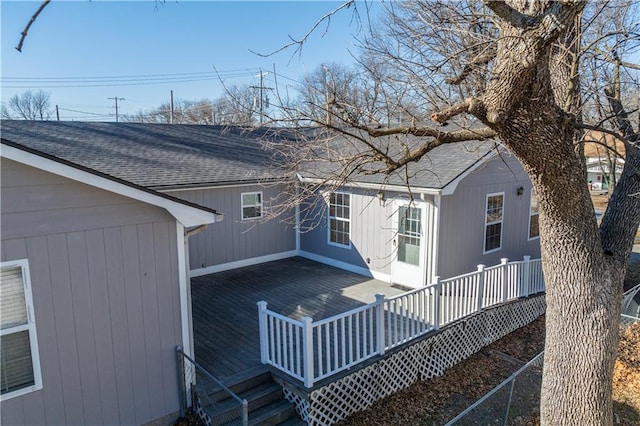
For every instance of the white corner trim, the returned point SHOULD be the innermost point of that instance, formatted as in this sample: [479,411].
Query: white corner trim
[187,215]
[345,266]
[184,289]
[242,263]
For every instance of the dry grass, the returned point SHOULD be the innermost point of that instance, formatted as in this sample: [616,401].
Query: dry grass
[626,377]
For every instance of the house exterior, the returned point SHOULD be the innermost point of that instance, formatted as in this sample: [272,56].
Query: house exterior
[94,293]
[468,204]
[101,225]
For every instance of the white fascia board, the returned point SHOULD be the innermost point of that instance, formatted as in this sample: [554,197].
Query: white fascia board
[374,186]
[188,216]
[450,188]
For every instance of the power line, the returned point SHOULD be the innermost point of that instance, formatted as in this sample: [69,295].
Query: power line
[245,71]
[83,112]
[133,80]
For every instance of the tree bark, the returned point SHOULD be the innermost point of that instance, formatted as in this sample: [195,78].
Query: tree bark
[583,278]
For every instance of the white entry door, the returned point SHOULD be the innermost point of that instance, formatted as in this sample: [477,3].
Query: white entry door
[409,245]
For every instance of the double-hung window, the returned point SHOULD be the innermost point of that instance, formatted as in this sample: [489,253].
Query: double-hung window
[251,205]
[340,219]
[19,360]
[534,213]
[493,222]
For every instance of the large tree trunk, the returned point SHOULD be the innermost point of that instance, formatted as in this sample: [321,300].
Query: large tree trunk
[583,285]
[583,280]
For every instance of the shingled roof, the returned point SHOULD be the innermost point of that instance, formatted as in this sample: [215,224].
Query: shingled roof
[162,156]
[150,155]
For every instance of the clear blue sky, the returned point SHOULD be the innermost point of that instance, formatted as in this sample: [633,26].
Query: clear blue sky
[82,43]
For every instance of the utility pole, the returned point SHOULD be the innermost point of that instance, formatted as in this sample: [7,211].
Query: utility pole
[171,112]
[117,99]
[57,113]
[262,101]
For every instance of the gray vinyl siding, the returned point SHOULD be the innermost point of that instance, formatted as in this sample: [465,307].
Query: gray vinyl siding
[104,276]
[371,232]
[462,217]
[235,239]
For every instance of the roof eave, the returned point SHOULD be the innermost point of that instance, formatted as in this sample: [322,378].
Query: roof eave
[373,186]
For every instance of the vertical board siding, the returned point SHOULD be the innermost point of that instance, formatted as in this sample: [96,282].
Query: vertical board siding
[371,232]
[462,218]
[106,302]
[235,239]
[83,320]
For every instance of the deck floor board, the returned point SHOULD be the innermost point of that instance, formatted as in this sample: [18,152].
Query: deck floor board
[225,313]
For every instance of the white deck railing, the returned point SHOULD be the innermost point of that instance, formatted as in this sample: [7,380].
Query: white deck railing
[313,350]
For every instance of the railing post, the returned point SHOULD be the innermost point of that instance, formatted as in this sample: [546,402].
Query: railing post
[264,338]
[526,276]
[181,381]
[380,338]
[505,285]
[437,290]
[245,412]
[480,287]
[307,351]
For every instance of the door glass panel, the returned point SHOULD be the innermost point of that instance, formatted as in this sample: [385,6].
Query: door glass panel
[409,234]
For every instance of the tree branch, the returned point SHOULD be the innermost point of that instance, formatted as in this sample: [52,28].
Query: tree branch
[300,42]
[622,119]
[509,14]
[33,19]
[469,105]
[468,68]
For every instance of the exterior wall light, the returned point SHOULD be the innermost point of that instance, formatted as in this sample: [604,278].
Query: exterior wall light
[520,191]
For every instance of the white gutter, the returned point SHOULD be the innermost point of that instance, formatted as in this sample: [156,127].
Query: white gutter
[184,213]
[374,186]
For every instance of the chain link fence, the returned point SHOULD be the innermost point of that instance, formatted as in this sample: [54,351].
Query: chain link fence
[512,402]
[515,401]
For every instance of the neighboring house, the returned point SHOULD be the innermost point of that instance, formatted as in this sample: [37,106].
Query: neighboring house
[605,160]
[94,224]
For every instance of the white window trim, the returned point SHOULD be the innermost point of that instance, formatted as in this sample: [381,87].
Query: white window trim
[328,198]
[242,206]
[31,326]
[530,215]
[486,225]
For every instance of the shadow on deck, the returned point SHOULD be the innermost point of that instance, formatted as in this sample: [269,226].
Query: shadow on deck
[225,314]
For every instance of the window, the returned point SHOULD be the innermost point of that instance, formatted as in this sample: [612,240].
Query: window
[409,234]
[339,219]
[534,230]
[493,223]
[251,205]
[19,361]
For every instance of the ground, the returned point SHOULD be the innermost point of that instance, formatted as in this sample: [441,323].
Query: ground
[436,401]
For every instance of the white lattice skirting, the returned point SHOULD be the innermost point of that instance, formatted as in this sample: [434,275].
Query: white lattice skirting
[422,360]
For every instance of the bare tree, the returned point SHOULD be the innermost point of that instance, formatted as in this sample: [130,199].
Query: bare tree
[235,107]
[511,70]
[29,106]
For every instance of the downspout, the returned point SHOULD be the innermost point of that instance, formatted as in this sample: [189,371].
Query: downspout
[437,199]
[184,277]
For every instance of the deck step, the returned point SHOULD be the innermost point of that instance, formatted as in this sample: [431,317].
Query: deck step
[238,386]
[264,398]
[275,413]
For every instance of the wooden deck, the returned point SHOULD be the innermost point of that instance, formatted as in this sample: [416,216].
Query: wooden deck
[225,314]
